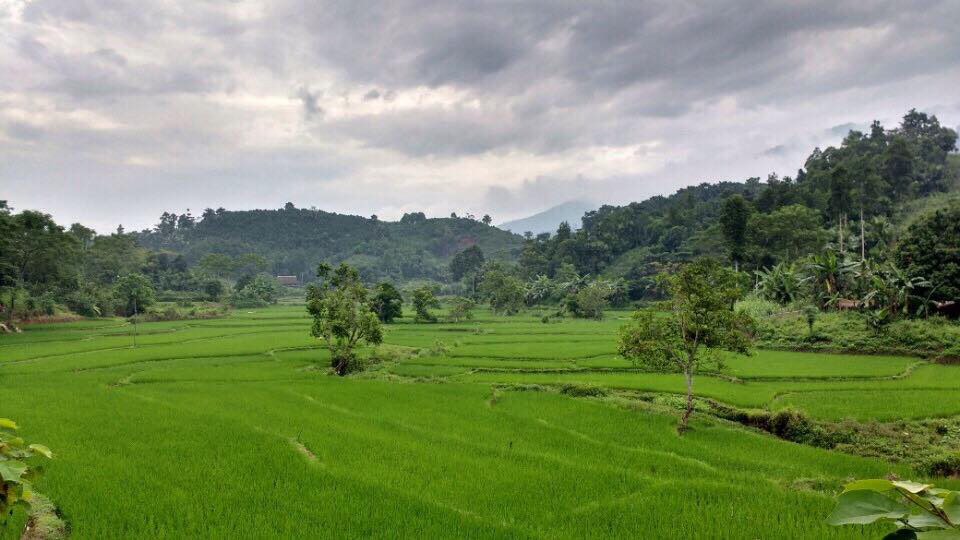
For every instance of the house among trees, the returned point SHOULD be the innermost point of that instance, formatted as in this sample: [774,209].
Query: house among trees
[290,281]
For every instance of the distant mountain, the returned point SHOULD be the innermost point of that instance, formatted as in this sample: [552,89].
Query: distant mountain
[294,240]
[549,219]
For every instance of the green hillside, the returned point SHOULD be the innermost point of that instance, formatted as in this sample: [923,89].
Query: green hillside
[293,240]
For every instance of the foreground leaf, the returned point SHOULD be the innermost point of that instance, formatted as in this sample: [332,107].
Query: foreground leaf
[11,471]
[943,534]
[912,487]
[42,450]
[951,507]
[871,484]
[863,506]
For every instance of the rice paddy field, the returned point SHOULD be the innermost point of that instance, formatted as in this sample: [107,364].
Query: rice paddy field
[232,428]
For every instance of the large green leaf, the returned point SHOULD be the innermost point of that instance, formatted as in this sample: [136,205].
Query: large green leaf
[951,507]
[872,484]
[7,423]
[42,450]
[925,520]
[912,487]
[865,506]
[942,534]
[11,471]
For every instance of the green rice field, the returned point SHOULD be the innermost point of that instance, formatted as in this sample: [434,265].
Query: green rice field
[232,428]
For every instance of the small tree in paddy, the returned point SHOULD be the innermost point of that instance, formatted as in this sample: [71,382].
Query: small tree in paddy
[698,325]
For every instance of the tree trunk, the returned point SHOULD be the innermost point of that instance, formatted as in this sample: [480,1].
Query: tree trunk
[840,231]
[685,419]
[863,242]
[13,301]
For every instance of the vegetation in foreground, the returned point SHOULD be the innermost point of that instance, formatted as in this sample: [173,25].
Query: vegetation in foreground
[233,401]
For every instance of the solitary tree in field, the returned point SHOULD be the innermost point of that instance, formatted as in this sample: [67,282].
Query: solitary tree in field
[387,302]
[423,300]
[461,309]
[341,315]
[134,292]
[698,325]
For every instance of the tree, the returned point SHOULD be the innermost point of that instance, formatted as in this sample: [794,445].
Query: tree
[540,290]
[898,167]
[840,199]
[37,255]
[423,301]
[700,323]
[931,248]
[468,264]
[214,289]
[461,309]
[487,220]
[341,315]
[505,293]
[733,223]
[217,265]
[387,302]
[134,293]
[784,234]
[588,302]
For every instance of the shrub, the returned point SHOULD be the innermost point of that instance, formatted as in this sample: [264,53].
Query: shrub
[943,465]
[587,303]
[461,309]
[82,303]
[583,390]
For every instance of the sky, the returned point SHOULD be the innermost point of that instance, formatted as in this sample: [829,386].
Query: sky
[113,111]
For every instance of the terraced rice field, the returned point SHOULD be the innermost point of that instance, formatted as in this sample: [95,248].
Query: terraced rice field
[231,428]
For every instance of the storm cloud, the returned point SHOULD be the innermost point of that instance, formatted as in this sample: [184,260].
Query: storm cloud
[113,111]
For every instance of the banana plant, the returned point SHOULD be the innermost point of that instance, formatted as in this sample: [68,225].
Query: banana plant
[894,290]
[830,275]
[780,283]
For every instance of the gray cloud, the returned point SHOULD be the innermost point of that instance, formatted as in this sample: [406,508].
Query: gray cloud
[377,107]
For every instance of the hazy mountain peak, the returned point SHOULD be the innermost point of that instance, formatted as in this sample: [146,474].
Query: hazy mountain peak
[549,219]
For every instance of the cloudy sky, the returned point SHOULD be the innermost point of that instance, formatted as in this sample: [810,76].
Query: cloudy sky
[112,111]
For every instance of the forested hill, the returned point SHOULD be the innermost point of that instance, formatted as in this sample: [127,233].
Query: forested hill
[293,240]
[856,197]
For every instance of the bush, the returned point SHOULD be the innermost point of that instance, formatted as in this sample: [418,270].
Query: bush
[257,291]
[246,298]
[943,465]
[587,303]
[583,390]
[82,303]
[787,424]
[461,309]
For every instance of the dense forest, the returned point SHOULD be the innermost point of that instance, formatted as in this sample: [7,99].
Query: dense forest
[855,198]
[293,240]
